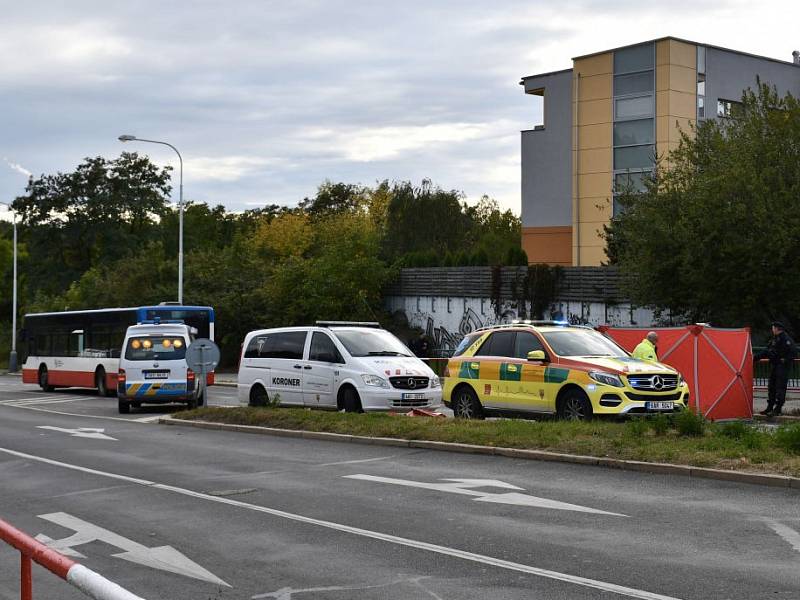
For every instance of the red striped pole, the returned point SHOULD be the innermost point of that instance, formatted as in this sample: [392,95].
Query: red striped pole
[90,583]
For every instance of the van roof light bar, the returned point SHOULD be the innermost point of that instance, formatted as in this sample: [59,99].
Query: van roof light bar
[372,324]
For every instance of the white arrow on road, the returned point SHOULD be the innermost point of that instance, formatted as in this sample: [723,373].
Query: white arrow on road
[84,432]
[165,558]
[465,487]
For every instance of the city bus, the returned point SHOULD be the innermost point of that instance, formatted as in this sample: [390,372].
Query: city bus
[81,348]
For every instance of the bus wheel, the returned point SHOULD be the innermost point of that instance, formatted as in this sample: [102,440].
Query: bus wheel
[43,379]
[124,407]
[100,382]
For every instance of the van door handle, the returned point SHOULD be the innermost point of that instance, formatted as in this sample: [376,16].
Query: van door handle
[298,367]
[307,367]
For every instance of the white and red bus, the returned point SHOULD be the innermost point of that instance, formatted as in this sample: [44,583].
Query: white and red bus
[80,348]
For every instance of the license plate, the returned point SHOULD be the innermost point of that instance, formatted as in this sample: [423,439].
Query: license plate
[663,405]
[413,396]
[156,374]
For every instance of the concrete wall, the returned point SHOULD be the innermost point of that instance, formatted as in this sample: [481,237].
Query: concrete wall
[729,73]
[446,320]
[547,173]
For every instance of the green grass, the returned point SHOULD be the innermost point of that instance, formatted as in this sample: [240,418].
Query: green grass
[682,439]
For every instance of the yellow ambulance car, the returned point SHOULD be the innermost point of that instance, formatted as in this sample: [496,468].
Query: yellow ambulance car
[572,371]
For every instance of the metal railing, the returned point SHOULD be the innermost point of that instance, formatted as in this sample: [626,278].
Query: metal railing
[87,581]
[761,374]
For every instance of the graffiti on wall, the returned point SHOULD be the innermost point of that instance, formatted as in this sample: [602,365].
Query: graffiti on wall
[446,341]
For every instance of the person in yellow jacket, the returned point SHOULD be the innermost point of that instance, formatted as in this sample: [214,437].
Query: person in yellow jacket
[647,348]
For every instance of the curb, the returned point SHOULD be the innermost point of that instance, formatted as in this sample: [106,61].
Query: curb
[232,384]
[782,481]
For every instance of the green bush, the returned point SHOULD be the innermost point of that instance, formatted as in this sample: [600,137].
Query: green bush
[636,427]
[690,423]
[735,430]
[660,424]
[788,438]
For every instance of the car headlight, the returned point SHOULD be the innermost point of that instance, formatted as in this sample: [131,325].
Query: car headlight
[375,381]
[606,378]
[435,381]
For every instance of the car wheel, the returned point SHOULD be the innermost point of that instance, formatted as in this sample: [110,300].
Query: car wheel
[575,406]
[100,382]
[466,404]
[43,380]
[258,396]
[124,407]
[350,401]
[191,403]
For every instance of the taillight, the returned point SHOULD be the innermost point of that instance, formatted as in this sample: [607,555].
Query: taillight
[189,375]
[121,376]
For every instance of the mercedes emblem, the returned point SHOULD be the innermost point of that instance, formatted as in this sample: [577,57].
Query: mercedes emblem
[657,382]
[411,383]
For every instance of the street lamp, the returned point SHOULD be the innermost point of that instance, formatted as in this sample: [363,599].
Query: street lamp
[12,358]
[133,138]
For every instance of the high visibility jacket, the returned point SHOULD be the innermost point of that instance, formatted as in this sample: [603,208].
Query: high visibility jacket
[645,351]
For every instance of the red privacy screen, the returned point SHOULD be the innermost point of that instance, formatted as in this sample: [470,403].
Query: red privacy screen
[716,363]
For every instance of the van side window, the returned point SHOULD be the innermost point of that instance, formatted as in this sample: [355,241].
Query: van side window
[323,349]
[254,347]
[285,344]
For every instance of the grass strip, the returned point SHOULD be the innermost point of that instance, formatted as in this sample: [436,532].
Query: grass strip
[684,439]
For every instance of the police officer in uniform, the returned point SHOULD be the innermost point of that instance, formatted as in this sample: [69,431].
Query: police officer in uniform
[780,352]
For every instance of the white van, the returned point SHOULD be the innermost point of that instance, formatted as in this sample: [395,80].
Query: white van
[152,367]
[336,365]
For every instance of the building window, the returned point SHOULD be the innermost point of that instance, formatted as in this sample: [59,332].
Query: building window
[726,108]
[433,304]
[701,82]
[634,119]
[448,305]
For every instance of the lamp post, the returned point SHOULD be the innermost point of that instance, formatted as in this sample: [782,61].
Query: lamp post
[133,138]
[12,358]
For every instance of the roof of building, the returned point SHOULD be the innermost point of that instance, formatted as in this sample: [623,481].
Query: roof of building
[669,37]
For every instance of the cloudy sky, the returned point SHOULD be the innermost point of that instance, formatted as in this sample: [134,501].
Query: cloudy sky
[266,99]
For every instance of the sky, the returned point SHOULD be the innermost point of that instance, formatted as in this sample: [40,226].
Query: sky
[267,99]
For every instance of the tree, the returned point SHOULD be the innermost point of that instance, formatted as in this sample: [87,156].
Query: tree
[102,211]
[716,236]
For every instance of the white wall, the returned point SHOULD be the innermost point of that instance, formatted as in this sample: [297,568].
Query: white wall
[447,320]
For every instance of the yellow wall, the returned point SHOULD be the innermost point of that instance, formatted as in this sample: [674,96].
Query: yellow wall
[592,159]
[676,94]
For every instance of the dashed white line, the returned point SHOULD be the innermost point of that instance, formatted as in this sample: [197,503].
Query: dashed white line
[400,541]
[786,532]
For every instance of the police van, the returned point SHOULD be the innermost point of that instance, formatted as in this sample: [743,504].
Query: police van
[153,369]
[346,366]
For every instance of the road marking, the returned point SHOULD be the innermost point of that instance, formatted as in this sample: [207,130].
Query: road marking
[786,532]
[92,491]
[40,400]
[465,487]
[165,558]
[376,535]
[81,432]
[353,462]
[66,414]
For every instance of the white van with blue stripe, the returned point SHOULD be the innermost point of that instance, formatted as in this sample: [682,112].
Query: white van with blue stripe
[153,369]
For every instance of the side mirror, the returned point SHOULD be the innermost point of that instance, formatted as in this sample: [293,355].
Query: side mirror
[537,355]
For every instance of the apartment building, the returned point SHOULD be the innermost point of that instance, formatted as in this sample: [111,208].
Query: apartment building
[606,121]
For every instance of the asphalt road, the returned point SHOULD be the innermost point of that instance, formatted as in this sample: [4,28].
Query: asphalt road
[176,513]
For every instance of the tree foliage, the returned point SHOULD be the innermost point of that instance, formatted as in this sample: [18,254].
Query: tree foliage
[105,235]
[716,236]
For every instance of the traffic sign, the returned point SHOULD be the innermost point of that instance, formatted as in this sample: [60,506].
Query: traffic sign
[202,356]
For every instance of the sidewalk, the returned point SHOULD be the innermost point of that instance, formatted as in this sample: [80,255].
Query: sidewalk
[226,379]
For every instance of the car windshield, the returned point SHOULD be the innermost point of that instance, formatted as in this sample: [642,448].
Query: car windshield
[156,347]
[582,342]
[371,342]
